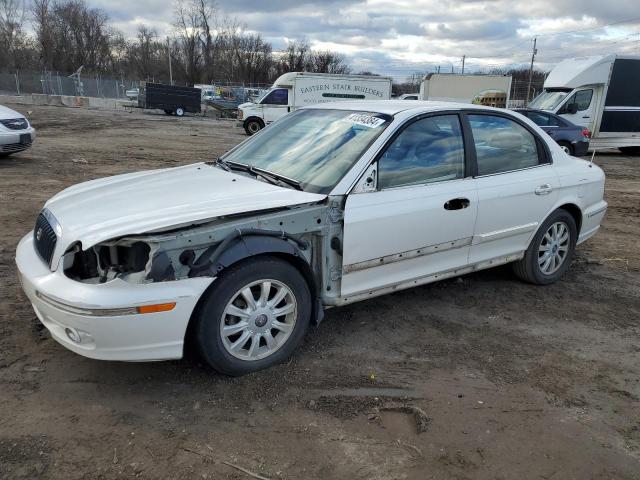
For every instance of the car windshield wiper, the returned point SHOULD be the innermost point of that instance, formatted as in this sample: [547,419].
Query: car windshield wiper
[271,176]
[218,162]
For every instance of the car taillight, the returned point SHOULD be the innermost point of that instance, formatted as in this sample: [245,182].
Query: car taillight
[586,133]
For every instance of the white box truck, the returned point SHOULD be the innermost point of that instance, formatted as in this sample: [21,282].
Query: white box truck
[601,93]
[489,90]
[297,89]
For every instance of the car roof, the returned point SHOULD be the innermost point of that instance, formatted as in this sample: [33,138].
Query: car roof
[393,107]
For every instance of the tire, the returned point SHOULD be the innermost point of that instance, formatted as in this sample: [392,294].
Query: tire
[634,151]
[180,112]
[234,353]
[567,147]
[531,268]
[168,112]
[253,126]
[5,155]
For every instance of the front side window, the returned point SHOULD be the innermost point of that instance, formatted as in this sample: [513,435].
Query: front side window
[581,99]
[279,96]
[316,147]
[502,145]
[429,150]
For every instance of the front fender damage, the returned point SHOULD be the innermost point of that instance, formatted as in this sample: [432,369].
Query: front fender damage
[306,234]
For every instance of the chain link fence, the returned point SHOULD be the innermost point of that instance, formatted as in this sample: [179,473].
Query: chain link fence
[52,83]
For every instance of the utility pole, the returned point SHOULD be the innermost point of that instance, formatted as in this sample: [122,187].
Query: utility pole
[463,58]
[169,54]
[533,57]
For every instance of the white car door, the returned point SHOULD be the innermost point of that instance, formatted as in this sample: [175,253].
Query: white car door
[419,220]
[517,186]
[275,105]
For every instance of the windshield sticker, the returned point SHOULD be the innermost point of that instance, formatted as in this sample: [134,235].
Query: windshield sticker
[365,120]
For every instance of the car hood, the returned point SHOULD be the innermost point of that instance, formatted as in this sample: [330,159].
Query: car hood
[8,114]
[156,200]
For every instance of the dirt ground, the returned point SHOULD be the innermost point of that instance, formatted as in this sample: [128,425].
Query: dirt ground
[481,377]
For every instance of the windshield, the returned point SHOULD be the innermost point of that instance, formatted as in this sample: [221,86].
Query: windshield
[315,147]
[548,100]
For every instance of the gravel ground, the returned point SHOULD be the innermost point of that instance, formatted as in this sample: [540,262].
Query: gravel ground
[481,377]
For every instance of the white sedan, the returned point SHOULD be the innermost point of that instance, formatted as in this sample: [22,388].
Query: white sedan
[331,205]
[16,134]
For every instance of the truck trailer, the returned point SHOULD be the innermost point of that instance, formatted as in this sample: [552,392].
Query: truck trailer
[172,99]
[601,93]
[298,89]
[488,90]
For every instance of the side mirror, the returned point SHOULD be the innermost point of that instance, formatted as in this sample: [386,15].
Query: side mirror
[573,108]
[368,181]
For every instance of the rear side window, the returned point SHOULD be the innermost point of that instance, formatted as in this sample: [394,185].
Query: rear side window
[502,145]
[544,120]
[427,151]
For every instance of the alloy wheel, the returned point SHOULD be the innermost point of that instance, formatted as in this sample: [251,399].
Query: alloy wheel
[554,248]
[258,320]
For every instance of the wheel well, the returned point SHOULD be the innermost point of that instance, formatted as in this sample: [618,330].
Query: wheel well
[575,212]
[297,262]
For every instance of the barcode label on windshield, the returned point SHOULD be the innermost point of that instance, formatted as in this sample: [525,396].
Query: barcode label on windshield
[365,120]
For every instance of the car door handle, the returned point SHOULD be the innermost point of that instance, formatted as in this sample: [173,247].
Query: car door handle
[586,116]
[457,204]
[545,189]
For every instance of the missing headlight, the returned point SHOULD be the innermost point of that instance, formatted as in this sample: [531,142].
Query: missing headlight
[106,261]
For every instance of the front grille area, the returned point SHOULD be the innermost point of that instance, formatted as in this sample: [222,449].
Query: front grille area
[44,238]
[15,123]
[14,147]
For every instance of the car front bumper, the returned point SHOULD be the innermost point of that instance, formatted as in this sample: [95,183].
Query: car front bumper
[86,318]
[11,141]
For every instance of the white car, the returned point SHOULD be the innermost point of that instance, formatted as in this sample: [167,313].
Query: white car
[333,204]
[16,134]
[409,96]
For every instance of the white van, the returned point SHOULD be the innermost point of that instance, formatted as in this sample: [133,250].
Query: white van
[298,89]
[600,93]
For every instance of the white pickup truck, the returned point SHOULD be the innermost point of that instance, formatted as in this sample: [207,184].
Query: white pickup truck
[297,89]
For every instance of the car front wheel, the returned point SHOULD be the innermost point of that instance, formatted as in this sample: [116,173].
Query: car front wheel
[254,316]
[551,250]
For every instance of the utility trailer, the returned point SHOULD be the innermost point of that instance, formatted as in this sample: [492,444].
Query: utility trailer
[173,99]
[601,93]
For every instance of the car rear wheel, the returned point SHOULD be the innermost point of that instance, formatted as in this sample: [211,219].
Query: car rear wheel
[4,155]
[254,316]
[551,250]
[566,147]
[253,126]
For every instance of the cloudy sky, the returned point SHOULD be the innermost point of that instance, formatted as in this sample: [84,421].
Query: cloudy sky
[400,37]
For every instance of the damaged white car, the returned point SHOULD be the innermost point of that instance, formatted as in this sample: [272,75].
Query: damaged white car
[331,205]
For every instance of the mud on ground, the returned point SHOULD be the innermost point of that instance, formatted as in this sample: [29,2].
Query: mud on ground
[481,377]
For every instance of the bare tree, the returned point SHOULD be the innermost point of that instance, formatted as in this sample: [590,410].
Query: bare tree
[12,35]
